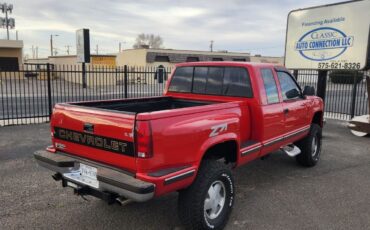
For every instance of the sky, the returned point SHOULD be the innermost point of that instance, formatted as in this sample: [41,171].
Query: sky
[255,26]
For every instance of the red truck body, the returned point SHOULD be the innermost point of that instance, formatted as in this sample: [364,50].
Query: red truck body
[179,138]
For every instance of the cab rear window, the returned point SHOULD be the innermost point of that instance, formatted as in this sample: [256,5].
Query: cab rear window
[182,80]
[223,81]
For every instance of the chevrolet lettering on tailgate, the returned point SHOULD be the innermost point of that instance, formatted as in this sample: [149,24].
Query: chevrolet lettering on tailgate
[91,140]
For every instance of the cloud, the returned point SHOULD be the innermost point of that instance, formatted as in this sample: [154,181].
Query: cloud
[235,25]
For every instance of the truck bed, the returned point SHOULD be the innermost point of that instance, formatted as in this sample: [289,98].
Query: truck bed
[142,105]
[102,131]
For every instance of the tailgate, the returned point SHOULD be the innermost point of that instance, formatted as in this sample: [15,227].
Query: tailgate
[98,135]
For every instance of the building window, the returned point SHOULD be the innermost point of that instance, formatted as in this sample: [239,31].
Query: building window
[9,64]
[239,59]
[217,59]
[192,59]
[159,58]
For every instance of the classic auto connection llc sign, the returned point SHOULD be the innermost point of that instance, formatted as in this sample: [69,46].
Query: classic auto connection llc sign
[329,37]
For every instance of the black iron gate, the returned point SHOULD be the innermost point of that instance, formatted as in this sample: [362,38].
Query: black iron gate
[29,94]
[345,91]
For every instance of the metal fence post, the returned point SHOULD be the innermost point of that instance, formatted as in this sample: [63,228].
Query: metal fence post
[84,85]
[295,74]
[354,93]
[50,105]
[125,76]
[321,84]
[368,90]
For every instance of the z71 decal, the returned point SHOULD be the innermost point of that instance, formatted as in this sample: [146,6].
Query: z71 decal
[217,129]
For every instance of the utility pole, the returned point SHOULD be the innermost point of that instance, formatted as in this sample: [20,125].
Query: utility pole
[51,43]
[68,46]
[120,46]
[7,22]
[211,45]
[97,49]
[33,52]
[37,52]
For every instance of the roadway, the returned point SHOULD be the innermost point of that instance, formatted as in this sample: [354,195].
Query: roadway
[17,103]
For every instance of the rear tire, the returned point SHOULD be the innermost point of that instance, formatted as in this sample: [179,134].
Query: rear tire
[207,203]
[310,147]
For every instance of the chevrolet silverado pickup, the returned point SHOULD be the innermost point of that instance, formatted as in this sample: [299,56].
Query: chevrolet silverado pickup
[212,117]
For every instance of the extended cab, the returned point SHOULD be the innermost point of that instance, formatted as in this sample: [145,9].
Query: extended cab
[213,116]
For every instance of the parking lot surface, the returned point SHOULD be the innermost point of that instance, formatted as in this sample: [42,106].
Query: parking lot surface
[274,193]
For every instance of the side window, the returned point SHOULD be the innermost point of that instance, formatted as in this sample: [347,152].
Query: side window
[270,86]
[192,59]
[289,88]
[181,80]
[236,82]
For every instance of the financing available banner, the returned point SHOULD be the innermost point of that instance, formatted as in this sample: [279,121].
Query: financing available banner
[332,36]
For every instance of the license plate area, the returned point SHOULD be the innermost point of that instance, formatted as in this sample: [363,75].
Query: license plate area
[85,175]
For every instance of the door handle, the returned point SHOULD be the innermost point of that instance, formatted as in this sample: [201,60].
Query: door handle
[286,111]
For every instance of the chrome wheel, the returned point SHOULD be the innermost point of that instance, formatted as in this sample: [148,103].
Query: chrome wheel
[314,146]
[215,200]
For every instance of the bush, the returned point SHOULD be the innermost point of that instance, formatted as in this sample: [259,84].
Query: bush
[345,76]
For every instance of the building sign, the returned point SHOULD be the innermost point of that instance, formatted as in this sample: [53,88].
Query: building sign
[108,61]
[333,36]
[83,45]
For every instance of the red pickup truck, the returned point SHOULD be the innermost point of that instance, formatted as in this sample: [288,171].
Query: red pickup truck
[214,116]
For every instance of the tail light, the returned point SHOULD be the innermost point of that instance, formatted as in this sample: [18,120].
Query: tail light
[143,139]
[51,149]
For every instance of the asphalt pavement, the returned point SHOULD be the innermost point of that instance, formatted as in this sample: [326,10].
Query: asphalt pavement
[274,193]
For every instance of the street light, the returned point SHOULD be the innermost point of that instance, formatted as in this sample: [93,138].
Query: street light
[51,43]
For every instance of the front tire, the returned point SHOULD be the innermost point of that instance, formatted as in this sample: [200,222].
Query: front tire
[207,203]
[310,147]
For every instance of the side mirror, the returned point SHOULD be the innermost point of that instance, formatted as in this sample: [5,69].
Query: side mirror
[309,91]
[293,93]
